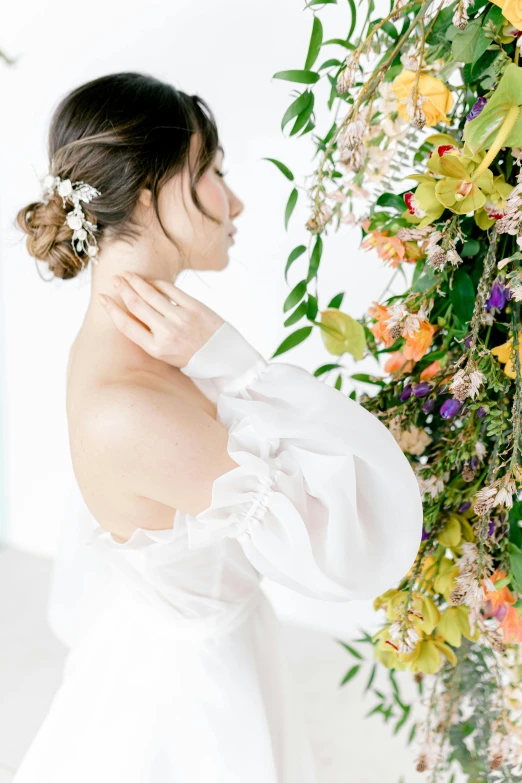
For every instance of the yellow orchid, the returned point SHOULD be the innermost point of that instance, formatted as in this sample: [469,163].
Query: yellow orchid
[444,583]
[428,656]
[495,203]
[425,614]
[451,533]
[454,624]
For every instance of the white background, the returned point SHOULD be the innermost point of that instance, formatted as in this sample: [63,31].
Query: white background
[227,54]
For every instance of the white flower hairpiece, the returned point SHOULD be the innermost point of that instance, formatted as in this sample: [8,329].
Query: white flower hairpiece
[83,229]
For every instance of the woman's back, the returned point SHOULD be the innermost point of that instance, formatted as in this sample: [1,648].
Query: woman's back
[99,373]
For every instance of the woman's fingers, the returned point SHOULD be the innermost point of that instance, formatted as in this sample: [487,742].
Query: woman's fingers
[149,293]
[136,303]
[130,327]
[173,292]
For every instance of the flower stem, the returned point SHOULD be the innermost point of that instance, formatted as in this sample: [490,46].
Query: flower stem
[503,132]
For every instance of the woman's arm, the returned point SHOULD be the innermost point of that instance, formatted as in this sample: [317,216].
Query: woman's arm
[321,498]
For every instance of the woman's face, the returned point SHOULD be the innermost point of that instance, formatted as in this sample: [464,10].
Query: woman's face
[205,243]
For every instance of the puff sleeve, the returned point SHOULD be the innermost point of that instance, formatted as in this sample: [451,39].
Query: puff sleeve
[323,500]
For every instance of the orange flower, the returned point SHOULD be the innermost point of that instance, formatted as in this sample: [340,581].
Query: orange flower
[512,625]
[417,345]
[390,248]
[502,596]
[380,329]
[429,371]
[397,362]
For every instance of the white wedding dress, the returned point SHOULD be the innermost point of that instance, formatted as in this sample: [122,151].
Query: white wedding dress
[177,672]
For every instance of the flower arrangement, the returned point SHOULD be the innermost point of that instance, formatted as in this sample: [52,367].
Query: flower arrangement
[424,155]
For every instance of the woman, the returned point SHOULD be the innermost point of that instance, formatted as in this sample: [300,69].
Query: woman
[205,467]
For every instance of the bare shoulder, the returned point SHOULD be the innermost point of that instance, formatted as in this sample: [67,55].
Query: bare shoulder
[155,443]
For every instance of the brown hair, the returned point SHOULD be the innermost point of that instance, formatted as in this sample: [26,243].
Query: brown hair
[118,133]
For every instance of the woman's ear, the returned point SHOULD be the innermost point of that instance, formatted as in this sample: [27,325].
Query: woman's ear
[145,197]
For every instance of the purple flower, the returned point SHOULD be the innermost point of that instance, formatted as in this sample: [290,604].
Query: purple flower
[467,341]
[406,392]
[450,407]
[476,108]
[425,535]
[422,389]
[481,412]
[428,406]
[474,463]
[500,612]
[464,506]
[497,296]
[491,526]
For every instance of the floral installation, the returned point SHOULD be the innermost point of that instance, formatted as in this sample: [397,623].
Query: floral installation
[423,155]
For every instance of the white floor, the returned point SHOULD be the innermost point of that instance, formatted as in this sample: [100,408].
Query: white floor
[352,749]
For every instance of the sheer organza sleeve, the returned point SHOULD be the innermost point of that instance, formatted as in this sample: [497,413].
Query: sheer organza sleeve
[323,500]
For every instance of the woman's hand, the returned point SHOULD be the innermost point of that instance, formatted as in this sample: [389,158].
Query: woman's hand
[169,332]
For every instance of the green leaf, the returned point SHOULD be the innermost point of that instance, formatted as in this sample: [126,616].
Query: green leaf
[299,312]
[316,41]
[336,301]
[495,16]
[296,252]
[353,12]
[402,720]
[325,368]
[295,295]
[377,708]
[315,258]
[339,42]
[391,200]
[393,681]
[303,116]
[515,531]
[390,29]
[290,205]
[515,562]
[351,673]
[470,44]
[312,308]
[462,296]
[302,76]
[351,650]
[282,168]
[477,69]
[365,378]
[425,281]
[470,248]
[296,107]
[329,64]
[372,677]
[292,340]
[412,734]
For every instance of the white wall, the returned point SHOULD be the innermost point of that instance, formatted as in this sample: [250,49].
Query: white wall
[226,53]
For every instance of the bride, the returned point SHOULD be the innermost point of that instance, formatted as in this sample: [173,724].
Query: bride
[205,467]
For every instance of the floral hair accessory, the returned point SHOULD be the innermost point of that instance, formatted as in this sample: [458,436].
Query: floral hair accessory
[83,229]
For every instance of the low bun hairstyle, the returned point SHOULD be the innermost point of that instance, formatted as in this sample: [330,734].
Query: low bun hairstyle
[119,133]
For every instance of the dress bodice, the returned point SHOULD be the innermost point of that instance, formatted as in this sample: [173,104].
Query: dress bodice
[202,591]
